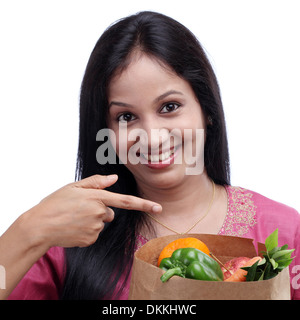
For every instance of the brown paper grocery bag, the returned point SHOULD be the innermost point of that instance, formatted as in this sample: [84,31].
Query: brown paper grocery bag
[146,284]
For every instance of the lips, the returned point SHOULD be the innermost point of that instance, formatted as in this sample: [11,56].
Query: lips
[161,160]
[153,158]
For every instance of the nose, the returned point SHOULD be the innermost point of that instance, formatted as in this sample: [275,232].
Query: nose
[154,136]
[157,139]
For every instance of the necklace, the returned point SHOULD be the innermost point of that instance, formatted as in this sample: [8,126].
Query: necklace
[194,225]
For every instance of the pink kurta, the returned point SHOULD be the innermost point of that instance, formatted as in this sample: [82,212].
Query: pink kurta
[249,215]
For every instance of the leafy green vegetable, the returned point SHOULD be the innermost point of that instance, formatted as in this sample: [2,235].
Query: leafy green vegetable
[272,241]
[275,260]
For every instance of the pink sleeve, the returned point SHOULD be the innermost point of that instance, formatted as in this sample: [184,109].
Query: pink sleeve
[44,280]
[295,267]
[272,215]
[252,215]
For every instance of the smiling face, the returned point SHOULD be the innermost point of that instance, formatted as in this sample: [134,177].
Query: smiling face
[150,99]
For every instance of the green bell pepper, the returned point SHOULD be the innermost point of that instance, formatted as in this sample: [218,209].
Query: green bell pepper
[191,263]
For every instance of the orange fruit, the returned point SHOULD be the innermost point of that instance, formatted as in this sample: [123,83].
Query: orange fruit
[182,243]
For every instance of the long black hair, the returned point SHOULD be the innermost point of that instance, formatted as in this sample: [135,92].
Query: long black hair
[93,272]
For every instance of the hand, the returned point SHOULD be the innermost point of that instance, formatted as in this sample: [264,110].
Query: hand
[75,214]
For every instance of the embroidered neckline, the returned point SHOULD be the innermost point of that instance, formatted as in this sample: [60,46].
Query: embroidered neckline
[241,212]
[240,216]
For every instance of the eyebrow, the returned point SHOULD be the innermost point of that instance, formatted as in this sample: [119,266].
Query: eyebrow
[120,104]
[168,93]
[156,100]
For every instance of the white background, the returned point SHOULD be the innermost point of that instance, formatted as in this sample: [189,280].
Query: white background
[253,46]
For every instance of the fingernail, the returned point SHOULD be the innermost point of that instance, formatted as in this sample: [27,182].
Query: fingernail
[156,209]
[111,177]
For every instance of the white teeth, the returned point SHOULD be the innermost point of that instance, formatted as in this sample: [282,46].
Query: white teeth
[164,156]
[160,157]
[154,158]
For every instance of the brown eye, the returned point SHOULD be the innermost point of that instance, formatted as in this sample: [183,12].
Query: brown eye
[170,107]
[126,117]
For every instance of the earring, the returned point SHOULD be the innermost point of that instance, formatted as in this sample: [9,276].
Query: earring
[209,120]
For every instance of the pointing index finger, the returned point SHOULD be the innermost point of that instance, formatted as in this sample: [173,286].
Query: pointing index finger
[129,202]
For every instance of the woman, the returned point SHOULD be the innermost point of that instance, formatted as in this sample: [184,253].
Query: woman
[146,72]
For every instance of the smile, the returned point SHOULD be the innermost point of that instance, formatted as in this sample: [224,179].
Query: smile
[159,157]
[161,160]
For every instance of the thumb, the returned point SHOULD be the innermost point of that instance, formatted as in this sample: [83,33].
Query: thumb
[97,181]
